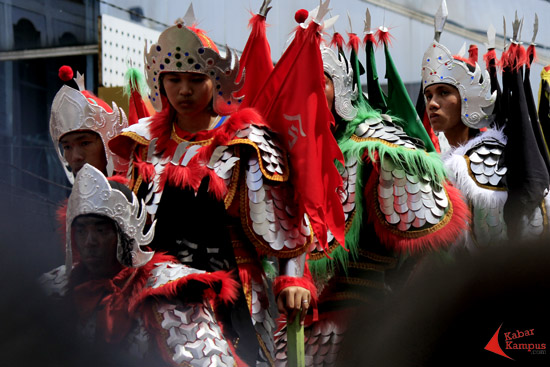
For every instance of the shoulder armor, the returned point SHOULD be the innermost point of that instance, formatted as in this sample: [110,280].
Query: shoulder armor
[272,157]
[223,161]
[166,272]
[55,281]
[271,214]
[141,130]
[485,163]
[383,128]
[408,202]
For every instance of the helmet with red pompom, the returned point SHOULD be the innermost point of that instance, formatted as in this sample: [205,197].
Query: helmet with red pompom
[80,110]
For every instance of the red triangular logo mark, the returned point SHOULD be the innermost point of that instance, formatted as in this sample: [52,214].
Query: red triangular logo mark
[494,347]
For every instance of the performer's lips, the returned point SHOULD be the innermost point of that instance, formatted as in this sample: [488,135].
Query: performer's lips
[433,116]
[186,103]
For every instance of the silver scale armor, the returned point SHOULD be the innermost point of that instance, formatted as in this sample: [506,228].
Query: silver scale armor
[477,170]
[193,334]
[272,218]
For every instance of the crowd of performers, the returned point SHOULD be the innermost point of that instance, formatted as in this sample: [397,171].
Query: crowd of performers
[256,195]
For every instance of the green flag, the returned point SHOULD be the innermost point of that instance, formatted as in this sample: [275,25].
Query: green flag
[400,104]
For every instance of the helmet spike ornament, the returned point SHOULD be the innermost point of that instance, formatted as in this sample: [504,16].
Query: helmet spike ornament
[439,66]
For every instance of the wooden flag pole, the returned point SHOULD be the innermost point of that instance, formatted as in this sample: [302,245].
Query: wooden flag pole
[295,343]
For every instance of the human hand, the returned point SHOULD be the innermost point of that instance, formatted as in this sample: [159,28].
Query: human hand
[293,299]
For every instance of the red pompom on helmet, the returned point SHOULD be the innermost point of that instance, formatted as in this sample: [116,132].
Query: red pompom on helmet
[65,73]
[301,15]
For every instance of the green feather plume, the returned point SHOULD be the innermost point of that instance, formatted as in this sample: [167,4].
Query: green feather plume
[134,81]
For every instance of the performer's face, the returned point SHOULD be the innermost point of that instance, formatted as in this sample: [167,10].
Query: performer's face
[443,106]
[96,239]
[81,147]
[188,93]
[329,91]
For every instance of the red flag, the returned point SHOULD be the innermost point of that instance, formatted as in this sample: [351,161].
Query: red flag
[294,105]
[255,60]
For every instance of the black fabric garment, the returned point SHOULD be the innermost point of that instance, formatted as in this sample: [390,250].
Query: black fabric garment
[531,105]
[495,86]
[544,110]
[194,228]
[527,177]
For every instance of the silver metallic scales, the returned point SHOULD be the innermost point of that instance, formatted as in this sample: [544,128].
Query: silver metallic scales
[484,162]
[487,169]
[407,202]
[383,128]
[273,210]
[262,320]
[194,336]
[489,226]
[322,343]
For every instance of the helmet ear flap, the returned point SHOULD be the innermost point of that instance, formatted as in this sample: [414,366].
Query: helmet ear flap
[341,73]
